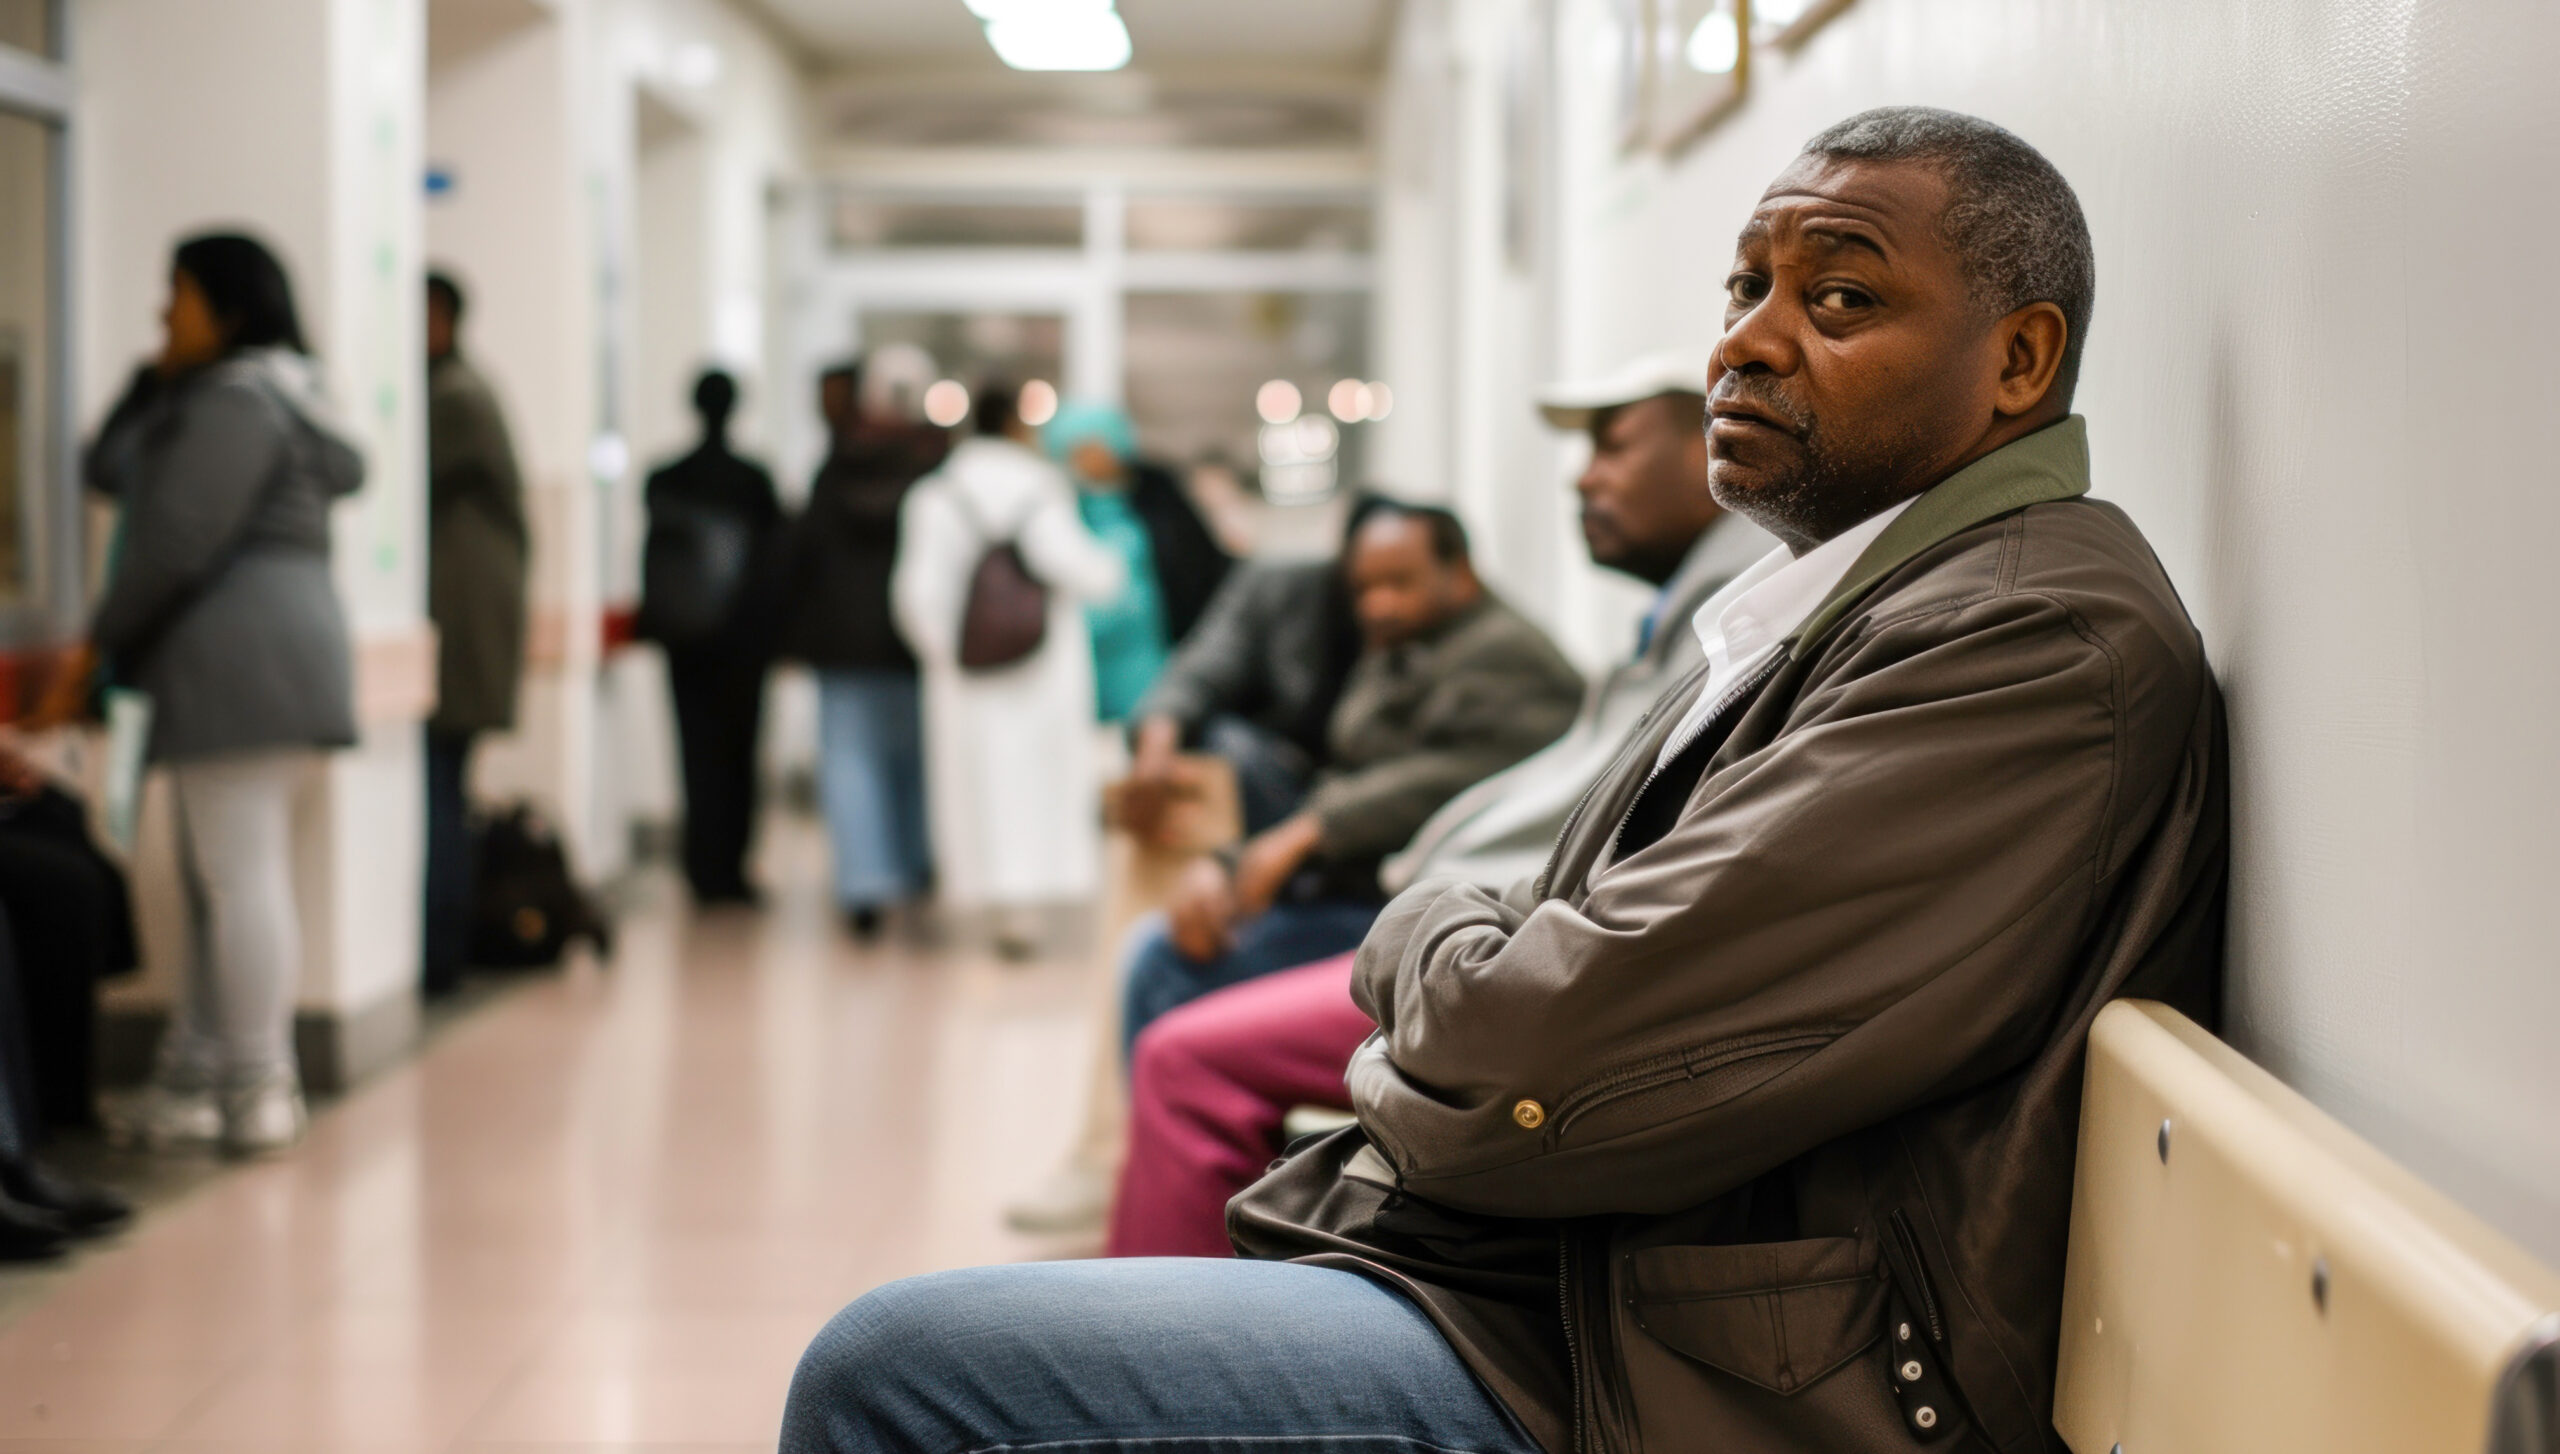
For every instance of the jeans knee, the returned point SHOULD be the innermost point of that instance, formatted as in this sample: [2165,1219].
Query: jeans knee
[1158,978]
[857,1376]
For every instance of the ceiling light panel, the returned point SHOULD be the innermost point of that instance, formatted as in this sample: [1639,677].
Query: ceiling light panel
[1055,35]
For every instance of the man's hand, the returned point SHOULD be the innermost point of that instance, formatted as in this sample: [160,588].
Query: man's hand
[1271,858]
[1201,917]
[66,696]
[1154,776]
[19,776]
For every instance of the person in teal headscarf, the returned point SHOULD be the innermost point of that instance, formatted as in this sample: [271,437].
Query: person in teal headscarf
[1097,446]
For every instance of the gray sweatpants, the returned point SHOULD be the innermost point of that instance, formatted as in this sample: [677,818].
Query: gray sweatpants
[234,1020]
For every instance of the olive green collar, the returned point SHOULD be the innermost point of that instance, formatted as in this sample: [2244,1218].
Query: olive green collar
[2050,464]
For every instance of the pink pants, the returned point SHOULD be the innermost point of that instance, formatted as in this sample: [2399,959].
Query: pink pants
[1207,1090]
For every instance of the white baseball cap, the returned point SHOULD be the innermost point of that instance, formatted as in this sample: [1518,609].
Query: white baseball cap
[1570,403]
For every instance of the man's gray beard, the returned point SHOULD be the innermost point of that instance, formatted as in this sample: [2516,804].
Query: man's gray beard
[1797,506]
[1827,496]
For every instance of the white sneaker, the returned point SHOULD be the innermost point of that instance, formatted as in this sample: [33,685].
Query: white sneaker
[265,1115]
[165,1117]
[1075,1198]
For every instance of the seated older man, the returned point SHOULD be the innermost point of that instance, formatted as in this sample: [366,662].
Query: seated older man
[1749,1123]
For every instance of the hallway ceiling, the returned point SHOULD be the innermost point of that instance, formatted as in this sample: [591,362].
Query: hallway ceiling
[1168,34]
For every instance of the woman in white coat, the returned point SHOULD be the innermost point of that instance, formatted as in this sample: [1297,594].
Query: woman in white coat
[1011,772]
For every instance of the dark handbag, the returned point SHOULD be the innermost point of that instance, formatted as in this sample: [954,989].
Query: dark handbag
[1007,615]
[525,907]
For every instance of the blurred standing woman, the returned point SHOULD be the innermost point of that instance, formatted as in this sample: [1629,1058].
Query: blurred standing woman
[1013,786]
[1139,512]
[225,457]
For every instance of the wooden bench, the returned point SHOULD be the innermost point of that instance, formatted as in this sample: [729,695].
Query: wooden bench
[2247,1276]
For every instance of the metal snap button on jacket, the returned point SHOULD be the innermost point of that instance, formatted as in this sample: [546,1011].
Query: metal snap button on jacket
[1529,1114]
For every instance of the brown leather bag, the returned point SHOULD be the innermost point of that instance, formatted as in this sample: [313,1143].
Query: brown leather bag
[1007,615]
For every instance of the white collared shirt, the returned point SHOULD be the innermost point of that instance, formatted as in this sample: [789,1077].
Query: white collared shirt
[1744,624]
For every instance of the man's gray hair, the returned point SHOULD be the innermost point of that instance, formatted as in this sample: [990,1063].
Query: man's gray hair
[2011,218]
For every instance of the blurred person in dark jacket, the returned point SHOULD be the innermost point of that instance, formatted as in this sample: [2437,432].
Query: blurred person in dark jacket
[478,551]
[707,600]
[1139,510]
[836,619]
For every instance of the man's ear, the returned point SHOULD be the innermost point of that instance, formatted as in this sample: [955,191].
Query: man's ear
[2031,345]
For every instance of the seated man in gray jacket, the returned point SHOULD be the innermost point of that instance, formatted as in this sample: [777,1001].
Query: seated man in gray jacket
[1254,683]
[1451,686]
[1210,1082]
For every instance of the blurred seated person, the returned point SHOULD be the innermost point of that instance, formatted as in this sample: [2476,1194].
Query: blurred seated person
[1452,686]
[64,923]
[1140,512]
[1211,1081]
[71,917]
[1254,684]
[41,1212]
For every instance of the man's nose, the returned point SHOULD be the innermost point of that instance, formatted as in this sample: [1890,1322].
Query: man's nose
[1762,339]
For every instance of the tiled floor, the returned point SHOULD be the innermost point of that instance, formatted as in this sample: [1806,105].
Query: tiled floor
[603,1213]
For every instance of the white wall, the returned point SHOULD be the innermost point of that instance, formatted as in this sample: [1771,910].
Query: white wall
[2317,382]
[299,120]
[595,268]
[1469,321]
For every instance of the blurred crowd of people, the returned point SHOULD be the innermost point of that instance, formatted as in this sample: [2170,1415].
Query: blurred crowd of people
[1009,624]
[974,604]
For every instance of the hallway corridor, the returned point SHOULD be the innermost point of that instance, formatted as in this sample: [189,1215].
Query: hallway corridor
[603,1212]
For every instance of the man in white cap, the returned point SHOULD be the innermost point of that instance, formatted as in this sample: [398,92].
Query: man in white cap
[1211,1081]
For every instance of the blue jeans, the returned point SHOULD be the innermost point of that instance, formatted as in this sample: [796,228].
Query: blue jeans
[1271,771]
[1167,1355]
[871,784]
[1158,979]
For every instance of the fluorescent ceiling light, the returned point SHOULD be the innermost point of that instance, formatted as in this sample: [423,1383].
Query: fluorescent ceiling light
[1035,9]
[1057,37]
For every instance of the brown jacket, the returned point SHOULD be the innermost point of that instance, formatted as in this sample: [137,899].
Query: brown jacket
[1781,1055]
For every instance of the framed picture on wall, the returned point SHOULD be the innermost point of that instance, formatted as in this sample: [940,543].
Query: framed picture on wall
[1787,24]
[1701,66]
[1628,53]
[1524,105]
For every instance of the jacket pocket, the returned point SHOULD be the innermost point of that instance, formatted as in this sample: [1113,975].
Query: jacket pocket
[1666,1087]
[1778,1314]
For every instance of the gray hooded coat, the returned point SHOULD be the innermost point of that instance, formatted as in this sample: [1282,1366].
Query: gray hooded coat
[219,604]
